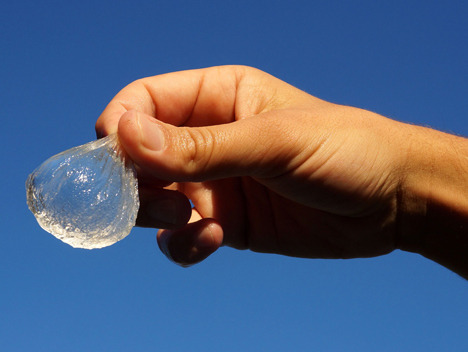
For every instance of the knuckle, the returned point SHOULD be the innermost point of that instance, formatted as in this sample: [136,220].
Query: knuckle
[197,144]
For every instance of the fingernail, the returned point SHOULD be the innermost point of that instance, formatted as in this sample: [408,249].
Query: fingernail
[205,240]
[164,247]
[151,133]
[204,247]
[163,211]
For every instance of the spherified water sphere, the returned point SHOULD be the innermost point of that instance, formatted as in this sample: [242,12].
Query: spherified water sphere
[86,196]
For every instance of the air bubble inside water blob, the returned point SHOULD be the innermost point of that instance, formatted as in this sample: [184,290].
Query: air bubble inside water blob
[86,196]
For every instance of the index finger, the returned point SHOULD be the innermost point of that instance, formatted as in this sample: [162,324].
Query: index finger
[199,97]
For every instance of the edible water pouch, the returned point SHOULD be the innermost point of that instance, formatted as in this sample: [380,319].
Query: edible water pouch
[86,196]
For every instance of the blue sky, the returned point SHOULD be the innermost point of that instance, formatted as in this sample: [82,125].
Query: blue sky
[60,64]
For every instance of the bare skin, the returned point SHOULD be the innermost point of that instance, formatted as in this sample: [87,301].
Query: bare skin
[273,169]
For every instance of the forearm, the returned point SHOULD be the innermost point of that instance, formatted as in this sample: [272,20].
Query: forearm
[434,199]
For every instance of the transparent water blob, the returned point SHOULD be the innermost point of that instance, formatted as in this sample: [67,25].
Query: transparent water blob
[86,196]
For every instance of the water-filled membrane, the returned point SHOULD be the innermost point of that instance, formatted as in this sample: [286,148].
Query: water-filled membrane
[86,196]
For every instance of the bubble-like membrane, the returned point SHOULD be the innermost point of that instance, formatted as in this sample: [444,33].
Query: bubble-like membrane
[86,196]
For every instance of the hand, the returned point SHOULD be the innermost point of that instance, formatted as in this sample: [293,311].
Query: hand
[267,166]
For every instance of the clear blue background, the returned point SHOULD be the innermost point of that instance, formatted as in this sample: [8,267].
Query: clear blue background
[62,61]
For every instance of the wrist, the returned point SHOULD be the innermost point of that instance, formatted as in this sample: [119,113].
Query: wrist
[433,198]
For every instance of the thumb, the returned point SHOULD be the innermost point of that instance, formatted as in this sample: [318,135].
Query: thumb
[261,146]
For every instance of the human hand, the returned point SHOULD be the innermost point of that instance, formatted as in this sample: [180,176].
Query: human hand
[267,166]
